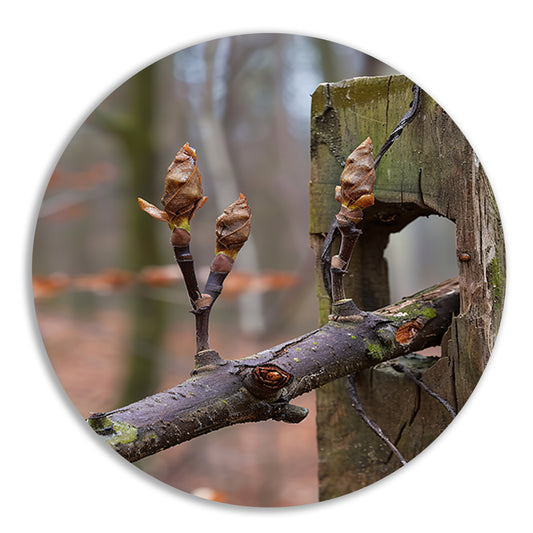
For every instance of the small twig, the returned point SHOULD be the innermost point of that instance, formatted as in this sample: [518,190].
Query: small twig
[215,280]
[356,402]
[397,131]
[186,264]
[220,268]
[201,303]
[202,328]
[355,193]
[401,368]
[325,257]
[182,197]
[339,263]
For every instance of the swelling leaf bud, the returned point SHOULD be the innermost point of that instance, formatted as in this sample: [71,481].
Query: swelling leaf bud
[233,227]
[183,193]
[357,179]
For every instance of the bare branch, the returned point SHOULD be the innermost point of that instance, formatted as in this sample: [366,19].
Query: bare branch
[401,368]
[356,402]
[222,392]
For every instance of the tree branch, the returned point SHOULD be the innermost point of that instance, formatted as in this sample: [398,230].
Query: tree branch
[358,406]
[401,368]
[222,392]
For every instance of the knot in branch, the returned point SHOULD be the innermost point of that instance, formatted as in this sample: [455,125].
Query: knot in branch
[266,381]
[408,332]
[270,377]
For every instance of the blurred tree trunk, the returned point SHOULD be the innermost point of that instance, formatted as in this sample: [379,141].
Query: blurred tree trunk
[147,314]
[224,179]
[134,129]
[430,169]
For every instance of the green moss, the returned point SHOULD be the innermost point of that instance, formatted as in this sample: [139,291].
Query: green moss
[124,433]
[99,423]
[496,281]
[375,351]
[411,312]
[428,312]
[296,359]
[387,337]
[113,432]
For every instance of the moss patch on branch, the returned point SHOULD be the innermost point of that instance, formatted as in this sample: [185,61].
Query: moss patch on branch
[113,432]
[375,351]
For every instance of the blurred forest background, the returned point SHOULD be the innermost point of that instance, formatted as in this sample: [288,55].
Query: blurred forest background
[113,314]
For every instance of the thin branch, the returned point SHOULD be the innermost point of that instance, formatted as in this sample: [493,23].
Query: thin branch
[401,368]
[406,119]
[223,392]
[356,402]
[325,258]
[355,193]
[186,263]
[339,263]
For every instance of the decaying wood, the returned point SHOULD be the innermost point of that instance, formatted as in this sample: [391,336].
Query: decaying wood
[225,392]
[431,169]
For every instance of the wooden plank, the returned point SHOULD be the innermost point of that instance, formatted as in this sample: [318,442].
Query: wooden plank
[430,169]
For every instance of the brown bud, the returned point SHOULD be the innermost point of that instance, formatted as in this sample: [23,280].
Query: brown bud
[233,227]
[183,187]
[357,179]
[183,193]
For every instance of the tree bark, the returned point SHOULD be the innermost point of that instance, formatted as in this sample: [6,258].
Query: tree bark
[222,392]
[430,169]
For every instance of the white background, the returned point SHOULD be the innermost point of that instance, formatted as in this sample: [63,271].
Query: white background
[59,59]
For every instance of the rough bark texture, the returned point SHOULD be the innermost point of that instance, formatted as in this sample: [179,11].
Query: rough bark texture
[430,169]
[225,392]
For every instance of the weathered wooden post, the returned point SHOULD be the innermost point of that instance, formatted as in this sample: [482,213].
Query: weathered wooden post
[430,169]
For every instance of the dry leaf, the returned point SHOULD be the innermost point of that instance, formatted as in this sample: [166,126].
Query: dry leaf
[241,282]
[105,281]
[160,276]
[233,227]
[50,286]
[157,276]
